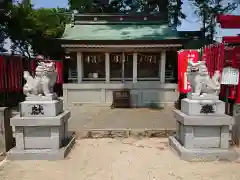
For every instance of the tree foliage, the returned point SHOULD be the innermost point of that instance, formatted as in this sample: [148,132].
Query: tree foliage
[28,27]
[207,11]
[169,8]
[4,12]
[35,28]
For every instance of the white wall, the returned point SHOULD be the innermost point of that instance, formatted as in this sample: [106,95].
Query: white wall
[143,94]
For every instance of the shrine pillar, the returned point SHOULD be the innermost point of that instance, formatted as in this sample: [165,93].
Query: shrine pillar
[135,59]
[79,67]
[162,67]
[107,67]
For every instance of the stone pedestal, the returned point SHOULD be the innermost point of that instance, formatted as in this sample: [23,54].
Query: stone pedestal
[41,130]
[202,131]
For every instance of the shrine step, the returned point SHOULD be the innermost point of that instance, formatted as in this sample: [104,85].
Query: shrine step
[124,133]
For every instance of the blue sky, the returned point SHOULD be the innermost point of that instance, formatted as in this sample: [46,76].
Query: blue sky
[50,3]
[191,22]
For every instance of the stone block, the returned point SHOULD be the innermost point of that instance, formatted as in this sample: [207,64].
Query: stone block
[6,137]
[41,108]
[40,121]
[41,137]
[202,154]
[204,120]
[199,132]
[194,137]
[41,154]
[205,97]
[40,132]
[197,107]
[236,130]
[41,98]
[202,130]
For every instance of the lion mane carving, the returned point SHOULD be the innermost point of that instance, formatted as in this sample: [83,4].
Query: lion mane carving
[43,82]
[200,81]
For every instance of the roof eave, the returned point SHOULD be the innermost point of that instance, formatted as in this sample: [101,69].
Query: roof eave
[121,46]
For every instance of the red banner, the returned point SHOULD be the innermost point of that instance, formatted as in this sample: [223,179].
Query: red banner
[183,57]
[59,68]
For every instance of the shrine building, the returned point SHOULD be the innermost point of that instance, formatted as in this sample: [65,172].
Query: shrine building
[106,53]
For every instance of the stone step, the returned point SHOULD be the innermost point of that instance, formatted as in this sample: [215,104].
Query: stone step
[124,133]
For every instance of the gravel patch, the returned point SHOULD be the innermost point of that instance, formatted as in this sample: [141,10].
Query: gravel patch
[120,159]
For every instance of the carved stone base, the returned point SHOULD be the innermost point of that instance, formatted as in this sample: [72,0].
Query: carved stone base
[203,97]
[203,131]
[42,98]
[193,107]
[41,108]
[42,154]
[202,138]
[40,132]
[200,155]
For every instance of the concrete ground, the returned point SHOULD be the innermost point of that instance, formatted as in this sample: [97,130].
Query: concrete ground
[104,118]
[85,117]
[120,159]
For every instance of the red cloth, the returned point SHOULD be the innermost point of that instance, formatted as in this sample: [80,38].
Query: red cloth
[229,21]
[238,91]
[15,61]
[231,92]
[59,68]
[18,74]
[221,57]
[21,72]
[226,25]
[211,60]
[2,73]
[14,74]
[206,57]
[33,66]
[10,76]
[214,57]
[231,39]
[222,91]
[233,56]
[236,57]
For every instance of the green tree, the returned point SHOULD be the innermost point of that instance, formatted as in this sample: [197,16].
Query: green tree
[49,25]
[207,11]
[171,9]
[34,29]
[4,14]
[20,27]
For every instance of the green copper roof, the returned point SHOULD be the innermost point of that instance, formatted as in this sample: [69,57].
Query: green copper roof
[118,32]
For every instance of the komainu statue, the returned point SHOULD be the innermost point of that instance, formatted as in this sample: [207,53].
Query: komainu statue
[200,81]
[43,82]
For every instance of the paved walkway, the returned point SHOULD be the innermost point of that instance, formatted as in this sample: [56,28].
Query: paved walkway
[105,118]
[120,159]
